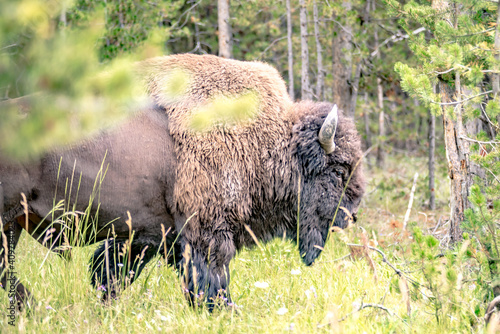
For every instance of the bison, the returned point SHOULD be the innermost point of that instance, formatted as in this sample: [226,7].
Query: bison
[196,196]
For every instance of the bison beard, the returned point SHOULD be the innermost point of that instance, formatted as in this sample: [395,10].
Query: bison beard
[208,188]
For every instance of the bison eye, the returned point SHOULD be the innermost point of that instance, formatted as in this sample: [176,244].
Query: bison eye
[340,172]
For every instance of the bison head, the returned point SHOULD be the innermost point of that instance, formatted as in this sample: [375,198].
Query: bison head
[328,151]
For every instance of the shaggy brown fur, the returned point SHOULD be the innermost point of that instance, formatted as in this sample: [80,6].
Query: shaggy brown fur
[228,177]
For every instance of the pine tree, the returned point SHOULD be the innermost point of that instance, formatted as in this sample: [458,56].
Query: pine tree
[458,58]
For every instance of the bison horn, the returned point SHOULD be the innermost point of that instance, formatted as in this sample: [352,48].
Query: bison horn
[327,132]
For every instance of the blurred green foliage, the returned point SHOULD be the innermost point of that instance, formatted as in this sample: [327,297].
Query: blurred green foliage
[52,70]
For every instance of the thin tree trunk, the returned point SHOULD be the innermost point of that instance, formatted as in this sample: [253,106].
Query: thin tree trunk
[460,169]
[342,61]
[305,90]
[354,91]
[458,159]
[420,124]
[496,76]
[62,17]
[319,50]
[197,36]
[432,150]
[357,74]
[366,117]
[291,91]
[381,115]
[368,134]
[225,36]
[381,125]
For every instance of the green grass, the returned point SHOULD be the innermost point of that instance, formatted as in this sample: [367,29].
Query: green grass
[297,299]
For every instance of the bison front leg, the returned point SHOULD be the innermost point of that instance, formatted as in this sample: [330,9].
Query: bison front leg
[18,294]
[116,264]
[204,268]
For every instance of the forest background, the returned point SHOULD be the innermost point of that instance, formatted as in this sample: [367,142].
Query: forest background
[421,80]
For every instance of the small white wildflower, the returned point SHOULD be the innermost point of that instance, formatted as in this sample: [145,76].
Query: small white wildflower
[262,285]
[139,317]
[311,292]
[120,265]
[163,318]
[296,272]
[282,311]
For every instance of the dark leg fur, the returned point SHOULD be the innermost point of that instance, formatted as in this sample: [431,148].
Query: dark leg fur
[205,270]
[116,273]
[15,289]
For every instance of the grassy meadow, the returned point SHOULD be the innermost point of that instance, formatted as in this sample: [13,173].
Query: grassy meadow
[347,290]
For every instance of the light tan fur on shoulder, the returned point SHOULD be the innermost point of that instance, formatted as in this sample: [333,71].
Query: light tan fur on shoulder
[210,77]
[219,170]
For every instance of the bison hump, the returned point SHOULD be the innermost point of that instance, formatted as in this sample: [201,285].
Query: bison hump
[203,93]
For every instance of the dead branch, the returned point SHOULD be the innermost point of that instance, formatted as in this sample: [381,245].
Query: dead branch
[461,101]
[480,141]
[384,259]
[270,46]
[363,306]
[410,203]
[396,38]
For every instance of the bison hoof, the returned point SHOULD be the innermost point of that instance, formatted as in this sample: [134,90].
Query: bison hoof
[219,300]
[107,296]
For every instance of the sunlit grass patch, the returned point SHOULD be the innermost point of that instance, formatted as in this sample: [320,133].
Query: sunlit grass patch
[273,291]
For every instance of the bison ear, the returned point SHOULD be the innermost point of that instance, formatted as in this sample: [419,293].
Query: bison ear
[327,131]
